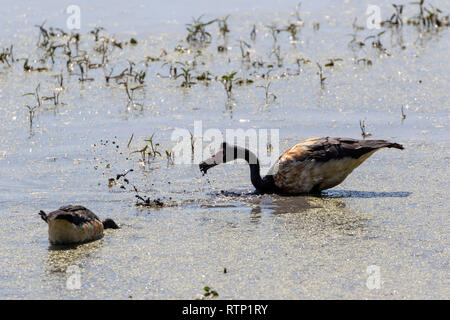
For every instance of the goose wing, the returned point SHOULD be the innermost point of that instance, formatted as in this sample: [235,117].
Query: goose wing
[77,215]
[325,149]
[321,163]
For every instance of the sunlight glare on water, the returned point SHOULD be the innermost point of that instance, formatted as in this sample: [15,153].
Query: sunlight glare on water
[391,212]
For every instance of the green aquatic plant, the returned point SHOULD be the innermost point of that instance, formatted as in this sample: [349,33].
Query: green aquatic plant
[149,151]
[355,42]
[139,76]
[59,32]
[96,32]
[430,18]
[297,12]
[170,157]
[83,66]
[276,51]
[43,33]
[241,82]
[299,62]
[60,81]
[50,52]
[316,26]
[75,38]
[223,26]
[127,90]
[130,68]
[253,33]
[320,74]
[130,140]
[31,114]
[365,61]
[116,44]
[292,28]
[245,54]
[6,56]
[153,59]
[376,43]
[103,49]
[28,68]
[266,75]
[269,95]
[331,62]
[153,146]
[227,81]
[54,97]
[117,77]
[396,19]
[275,31]
[209,292]
[197,31]
[205,77]
[362,126]
[419,19]
[173,71]
[355,26]
[187,77]
[180,49]
[258,64]
[130,92]
[35,94]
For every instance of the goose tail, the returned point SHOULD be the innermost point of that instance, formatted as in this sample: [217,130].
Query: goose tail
[378,144]
[394,145]
[43,216]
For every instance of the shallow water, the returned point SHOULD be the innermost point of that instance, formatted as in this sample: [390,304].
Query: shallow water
[391,212]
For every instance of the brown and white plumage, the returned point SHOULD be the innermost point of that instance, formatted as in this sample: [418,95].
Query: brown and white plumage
[308,167]
[321,163]
[74,224]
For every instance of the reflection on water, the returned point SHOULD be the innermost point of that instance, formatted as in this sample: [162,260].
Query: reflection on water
[324,215]
[283,205]
[364,194]
[316,215]
[171,251]
[60,257]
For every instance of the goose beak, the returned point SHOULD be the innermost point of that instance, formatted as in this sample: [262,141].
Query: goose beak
[204,166]
[212,162]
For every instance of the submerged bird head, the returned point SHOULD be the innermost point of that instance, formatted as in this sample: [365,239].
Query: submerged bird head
[215,159]
[229,153]
[110,224]
[43,215]
[225,154]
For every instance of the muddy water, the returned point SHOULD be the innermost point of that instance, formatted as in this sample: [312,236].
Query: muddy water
[392,212]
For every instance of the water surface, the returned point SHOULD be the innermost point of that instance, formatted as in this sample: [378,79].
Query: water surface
[391,212]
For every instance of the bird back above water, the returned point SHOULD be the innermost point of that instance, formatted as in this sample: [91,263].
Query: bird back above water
[75,224]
